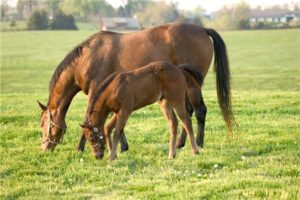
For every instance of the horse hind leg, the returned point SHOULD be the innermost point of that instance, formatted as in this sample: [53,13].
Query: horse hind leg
[182,138]
[201,115]
[196,98]
[173,124]
[123,141]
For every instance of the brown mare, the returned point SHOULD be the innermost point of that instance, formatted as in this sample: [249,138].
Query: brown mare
[105,53]
[123,93]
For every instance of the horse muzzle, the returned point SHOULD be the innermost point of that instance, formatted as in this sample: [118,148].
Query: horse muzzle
[47,146]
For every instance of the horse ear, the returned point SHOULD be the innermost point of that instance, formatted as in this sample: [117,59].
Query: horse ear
[43,107]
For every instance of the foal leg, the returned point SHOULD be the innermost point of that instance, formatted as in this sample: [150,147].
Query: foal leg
[196,98]
[108,129]
[182,138]
[121,121]
[187,124]
[173,124]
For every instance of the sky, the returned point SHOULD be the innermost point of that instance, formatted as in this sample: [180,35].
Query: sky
[208,5]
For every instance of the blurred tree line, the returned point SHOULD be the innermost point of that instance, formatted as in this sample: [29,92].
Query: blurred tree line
[42,13]
[57,14]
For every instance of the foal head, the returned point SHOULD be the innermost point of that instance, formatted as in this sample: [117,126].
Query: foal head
[96,138]
[53,130]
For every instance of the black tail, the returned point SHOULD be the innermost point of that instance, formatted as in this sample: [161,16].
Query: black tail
[196,74]
[221,68]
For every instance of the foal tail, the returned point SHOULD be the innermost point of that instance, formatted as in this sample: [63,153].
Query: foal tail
[221,68]
[196,74]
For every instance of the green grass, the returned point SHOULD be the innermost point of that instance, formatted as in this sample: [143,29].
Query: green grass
[7,26]
[261,162]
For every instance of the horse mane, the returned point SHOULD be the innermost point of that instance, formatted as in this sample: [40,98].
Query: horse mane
[103,85]
[70,57]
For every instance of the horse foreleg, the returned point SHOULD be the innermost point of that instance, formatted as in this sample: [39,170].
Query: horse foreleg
[182,137]
[81,143]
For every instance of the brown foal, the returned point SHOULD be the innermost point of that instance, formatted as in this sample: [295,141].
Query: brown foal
[123,93]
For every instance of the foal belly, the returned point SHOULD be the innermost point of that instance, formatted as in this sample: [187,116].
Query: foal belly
[147,97]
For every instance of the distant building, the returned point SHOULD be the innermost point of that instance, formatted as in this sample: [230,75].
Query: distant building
[119,23]
[271,15]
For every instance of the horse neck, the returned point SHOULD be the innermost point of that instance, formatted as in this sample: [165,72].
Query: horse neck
[62,94]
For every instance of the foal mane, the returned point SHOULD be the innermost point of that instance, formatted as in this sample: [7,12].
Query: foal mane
[70,57]
[103,85]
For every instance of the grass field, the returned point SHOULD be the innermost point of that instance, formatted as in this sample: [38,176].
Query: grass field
[261,162]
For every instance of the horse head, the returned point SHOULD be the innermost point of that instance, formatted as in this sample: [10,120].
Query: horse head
[53,129]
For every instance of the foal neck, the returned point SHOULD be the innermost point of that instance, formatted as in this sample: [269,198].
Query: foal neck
[99,113]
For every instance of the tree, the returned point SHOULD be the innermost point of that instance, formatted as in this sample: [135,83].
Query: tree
[242,15]
[4,9]
[236,16]
[164,13]
[38,20]
[53,6]
[136,6]
[83,9]
[121,12]
[26,7]
[194,16]
[63,21]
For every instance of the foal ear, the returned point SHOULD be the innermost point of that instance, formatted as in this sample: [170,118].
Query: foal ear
[43,107]
[83,125]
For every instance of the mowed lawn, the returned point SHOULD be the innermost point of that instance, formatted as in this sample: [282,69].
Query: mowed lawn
[261,161]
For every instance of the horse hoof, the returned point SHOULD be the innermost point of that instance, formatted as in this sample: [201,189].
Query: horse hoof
[199,143]
[80,150]
[124,148]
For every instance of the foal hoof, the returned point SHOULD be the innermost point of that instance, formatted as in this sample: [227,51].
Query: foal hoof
[180,144]
[171,157]
[112,158]
[196,152]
